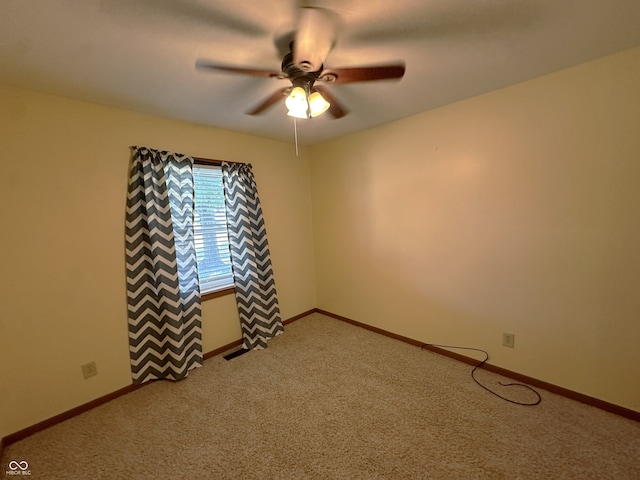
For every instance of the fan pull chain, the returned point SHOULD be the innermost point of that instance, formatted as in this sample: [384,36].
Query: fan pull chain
[295,132]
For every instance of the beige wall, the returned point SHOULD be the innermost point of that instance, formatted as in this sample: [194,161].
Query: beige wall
[516,211]
[63,180]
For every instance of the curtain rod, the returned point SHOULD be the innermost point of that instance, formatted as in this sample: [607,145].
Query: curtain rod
[212,161]
[207,161]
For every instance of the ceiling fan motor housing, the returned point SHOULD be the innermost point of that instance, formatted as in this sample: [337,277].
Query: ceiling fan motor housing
[298,76]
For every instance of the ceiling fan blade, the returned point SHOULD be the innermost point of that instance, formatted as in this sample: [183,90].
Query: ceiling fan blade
[339,76]
[254,72]
[159,13]
[314,38]
[444,21]
[335,109]
[269,101]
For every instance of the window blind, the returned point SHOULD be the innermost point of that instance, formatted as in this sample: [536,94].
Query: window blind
[210,230]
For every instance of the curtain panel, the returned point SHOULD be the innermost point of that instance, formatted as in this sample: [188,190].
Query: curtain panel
[255,287]
[165,338]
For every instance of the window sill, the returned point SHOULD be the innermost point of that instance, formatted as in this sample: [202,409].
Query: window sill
[218,293]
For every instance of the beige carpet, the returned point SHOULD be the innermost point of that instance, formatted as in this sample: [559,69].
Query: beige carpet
[331,400]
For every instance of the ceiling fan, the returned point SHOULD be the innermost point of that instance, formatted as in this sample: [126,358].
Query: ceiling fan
[303,66]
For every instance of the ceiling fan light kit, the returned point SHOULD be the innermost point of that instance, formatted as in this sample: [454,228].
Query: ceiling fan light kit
[304,101]
[301,105]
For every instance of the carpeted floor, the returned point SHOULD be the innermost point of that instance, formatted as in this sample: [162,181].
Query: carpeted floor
[330,400]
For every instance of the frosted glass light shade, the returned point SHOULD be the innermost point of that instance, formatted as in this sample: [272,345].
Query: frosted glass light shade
[317,104]
[297,103]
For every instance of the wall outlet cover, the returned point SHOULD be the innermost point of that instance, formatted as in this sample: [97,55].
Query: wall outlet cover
[509,340]
[89,370]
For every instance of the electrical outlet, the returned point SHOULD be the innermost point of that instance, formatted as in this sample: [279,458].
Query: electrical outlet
[89,370]
[509,340]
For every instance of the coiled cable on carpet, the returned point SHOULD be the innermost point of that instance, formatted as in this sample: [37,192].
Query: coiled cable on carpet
[479,365]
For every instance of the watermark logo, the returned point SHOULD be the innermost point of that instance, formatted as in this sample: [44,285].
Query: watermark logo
[18,468]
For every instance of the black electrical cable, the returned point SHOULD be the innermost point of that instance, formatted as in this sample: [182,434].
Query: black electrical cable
[486,357]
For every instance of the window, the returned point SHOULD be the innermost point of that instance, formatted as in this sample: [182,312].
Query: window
[210,230]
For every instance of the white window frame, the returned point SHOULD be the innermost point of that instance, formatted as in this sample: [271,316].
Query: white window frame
[214,258]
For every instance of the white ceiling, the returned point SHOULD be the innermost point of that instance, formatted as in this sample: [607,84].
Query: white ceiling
[140,54]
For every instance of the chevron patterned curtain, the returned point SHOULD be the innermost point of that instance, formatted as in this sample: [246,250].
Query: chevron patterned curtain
[255,287]
[165,339]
